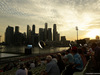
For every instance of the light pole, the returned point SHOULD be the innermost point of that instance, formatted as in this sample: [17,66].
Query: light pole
[77,33]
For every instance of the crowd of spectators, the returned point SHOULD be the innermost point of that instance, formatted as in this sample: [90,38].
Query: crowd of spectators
[74,59]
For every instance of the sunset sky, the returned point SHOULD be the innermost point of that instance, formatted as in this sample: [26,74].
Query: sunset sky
[67,14]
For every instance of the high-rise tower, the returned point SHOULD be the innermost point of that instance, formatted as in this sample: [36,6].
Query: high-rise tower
[49,34]
[33,29]
[54,32]
[28,34]
[45,31]
[41,34]
[16,29]
[9,35]
[33,35]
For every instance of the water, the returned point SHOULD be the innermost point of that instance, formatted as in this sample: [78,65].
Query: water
[35,50]
[7,55]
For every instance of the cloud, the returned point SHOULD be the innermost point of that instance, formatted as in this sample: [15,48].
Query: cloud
[67,14]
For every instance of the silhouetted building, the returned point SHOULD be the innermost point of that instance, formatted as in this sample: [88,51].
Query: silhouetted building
[19,38]
[93,41]
[41,34]
[49,34]
[33,35]
[9,35]
[16,29]
[28,34]
[24,38]
[54,32]
[45,32]
[33,29]
[36,39]
[63,38]
[87,39]
[81,41]
[57,36]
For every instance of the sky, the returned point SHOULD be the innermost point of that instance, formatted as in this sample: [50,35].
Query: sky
[66,14]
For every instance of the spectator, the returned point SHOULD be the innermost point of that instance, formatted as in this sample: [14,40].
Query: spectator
[37,62]
[94,45]
[54,58]
[70,62]
[21,70]
[69,57]
[86,53]
[82,56]
[60,63]
[43,62]
[51,67]
[97,57]
[32,64]
[78,63]
[63,55]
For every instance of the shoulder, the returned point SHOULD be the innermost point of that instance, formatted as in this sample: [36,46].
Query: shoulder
[50,63]
[69,55]
[19,70]
[77,55]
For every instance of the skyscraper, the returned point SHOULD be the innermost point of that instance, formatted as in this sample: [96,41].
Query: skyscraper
[54,32]
[41,34]
[16,35]
[33,29]
[19,38]
[57,36]
[49,34]
[28,34]
[45,31]
[36,39]
[33,35]
[63,38]
[16,29]
[9,35]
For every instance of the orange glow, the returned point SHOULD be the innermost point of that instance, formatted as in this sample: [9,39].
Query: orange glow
[93,33]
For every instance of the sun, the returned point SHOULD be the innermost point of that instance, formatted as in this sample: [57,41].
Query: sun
[93,33]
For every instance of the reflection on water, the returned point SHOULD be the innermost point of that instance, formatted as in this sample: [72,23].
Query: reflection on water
[7,55]
[14,49]
[35,50]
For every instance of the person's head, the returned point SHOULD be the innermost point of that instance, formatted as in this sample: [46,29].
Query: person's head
[80,51]
[59,54]
[74,50]
[58,57]
[93,45]
[67,51]
[84,49]
[63,54]
[48,58]
[54,56]
[22,66]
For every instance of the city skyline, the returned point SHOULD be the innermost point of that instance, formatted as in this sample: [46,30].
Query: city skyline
[13,36]
[66,14]
[46,32]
